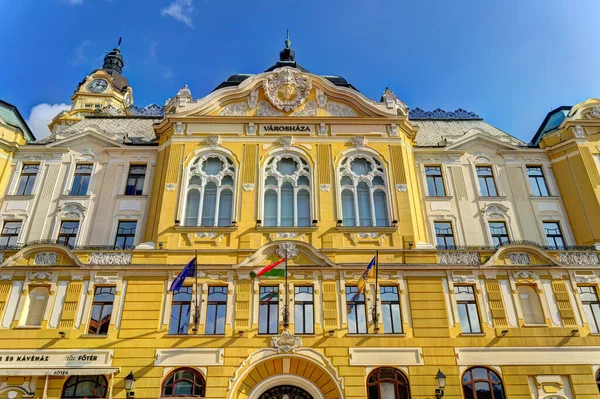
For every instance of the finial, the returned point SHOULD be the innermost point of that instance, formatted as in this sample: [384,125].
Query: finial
[288,42]
[119,44]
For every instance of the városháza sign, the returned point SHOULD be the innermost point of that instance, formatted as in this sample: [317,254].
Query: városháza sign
[287,128]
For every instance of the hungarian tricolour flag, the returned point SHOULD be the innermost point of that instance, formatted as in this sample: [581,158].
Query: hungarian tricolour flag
[276,269]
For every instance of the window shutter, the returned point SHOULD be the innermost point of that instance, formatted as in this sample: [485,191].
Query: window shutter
[242,305]
[4,291]
[496,304]
[70,307]
[565,307]
[330,311]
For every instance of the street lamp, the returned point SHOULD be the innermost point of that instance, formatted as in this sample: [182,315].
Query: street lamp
[440,379]
[129,384]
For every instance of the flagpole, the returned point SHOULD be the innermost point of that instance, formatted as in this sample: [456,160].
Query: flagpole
[375,316]
[286,318]
[196,311]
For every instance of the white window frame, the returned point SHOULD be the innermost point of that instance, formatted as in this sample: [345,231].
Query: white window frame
[145,188]
[17,177]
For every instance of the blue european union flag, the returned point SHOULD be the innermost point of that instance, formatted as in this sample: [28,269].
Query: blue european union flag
[187,271]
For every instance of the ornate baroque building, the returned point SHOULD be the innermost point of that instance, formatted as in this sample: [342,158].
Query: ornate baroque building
[487,247]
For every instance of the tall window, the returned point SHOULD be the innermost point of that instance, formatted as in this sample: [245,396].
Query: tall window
[444,235]
[357,317]
[487,184]
[591,307]
[303,310]
[135,180]
[435,181]
[209,197]
[102,307]
[554,236]
[38,299]
[482,383]
[216,310]
[499,233]
[10,233]
[85,386]
[81,180]
[184,382]
[180,310]
[467,309]
[363,192]
[268,310]
[530,305]
[27,179]
[537,181]
[125,234]
[387,383]
[287,192]
[390,309]
[67,235]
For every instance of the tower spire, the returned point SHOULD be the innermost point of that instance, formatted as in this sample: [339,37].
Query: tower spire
[113,61]
[288,42]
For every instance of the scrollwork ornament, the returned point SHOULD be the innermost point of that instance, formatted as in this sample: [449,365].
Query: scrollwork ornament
[458,258]
[338,109]
[253,99]
[287,89]
[578,258]
[321,98]
[286,142]
[110,258]
[170,186]
[310,109]
[359,142]
[46,258]
[264,109]
[287,248]
[519,258]
[393,130]
[595,112]
[578,132]
[286,342]
[322,129]
[235,109]
[251,129]
[248,186]
[213,142]
[179,128]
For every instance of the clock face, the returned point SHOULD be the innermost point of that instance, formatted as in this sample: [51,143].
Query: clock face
[97,85]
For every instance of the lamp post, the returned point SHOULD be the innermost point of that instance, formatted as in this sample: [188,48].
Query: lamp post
[440,379]
[129,384]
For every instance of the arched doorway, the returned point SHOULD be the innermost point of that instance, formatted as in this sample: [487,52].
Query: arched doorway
[286,392]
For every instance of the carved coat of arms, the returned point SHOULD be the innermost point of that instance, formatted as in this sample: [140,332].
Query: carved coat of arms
[287,89]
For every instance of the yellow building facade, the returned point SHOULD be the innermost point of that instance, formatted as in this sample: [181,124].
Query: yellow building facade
[289,164]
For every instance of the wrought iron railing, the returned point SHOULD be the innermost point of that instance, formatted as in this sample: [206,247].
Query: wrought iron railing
[521,242]
[71,247]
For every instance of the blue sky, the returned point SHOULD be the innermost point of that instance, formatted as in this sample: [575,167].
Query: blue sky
[510,61]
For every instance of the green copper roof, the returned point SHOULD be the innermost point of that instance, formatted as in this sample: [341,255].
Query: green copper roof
[11,116]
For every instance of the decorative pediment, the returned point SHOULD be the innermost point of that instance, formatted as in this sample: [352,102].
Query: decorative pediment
[277,248]
[287,89]
[522,254]
[43,254]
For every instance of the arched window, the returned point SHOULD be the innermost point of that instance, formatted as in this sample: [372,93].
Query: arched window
[387,383]
[530,305]
[184,382]
[38,299]
[209,196]
[363,191]
[482,383]
[85,386]
[287,191]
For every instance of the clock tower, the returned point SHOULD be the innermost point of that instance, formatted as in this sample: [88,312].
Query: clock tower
[104,90]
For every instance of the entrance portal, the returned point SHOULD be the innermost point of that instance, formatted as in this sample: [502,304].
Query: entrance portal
[286,392]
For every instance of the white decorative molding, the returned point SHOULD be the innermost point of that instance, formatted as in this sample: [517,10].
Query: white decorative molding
[286,142]
[248,186]
[40,276]
[369,236]
[286,342]
[393,130]
[494,211]
[595,112]
[514,356]
[193,357]
[46,258]
[170,186]
[251,129]
[287,247]
[325,187]
[524,274]
[253,99]
[458,258]
[286,235]
[339,109]
[321,98]
[463,278]
[386,356]
[287,89]
[264,109]
[202,234]
[359,142]
[578,131]
[519,258]
[178,128]
[110,258]
[585,278]
[402,187]
[322,129]
[213,142]
[310,109]
[578,258]
[235,109]
[1,257]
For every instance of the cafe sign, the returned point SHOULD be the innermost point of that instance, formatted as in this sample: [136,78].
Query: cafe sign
[287,128]
[55,358]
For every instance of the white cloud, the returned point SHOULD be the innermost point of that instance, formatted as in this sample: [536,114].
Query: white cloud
[79,56]
[152,59]
[41,115]
[181,10]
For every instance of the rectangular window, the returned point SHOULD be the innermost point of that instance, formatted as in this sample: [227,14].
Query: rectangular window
[553,234]
[10,233]
[303,310]
[591,307]
[537,181]
[390,309]
[435,181]
[135,180]
[268,310]
[499,233]
[216,310]
[81,180]
[467,309]
[68,233]
[487,183]
[125,234]
[180,310]
[444,235]
[102,307]
[27,179]
[357,317]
